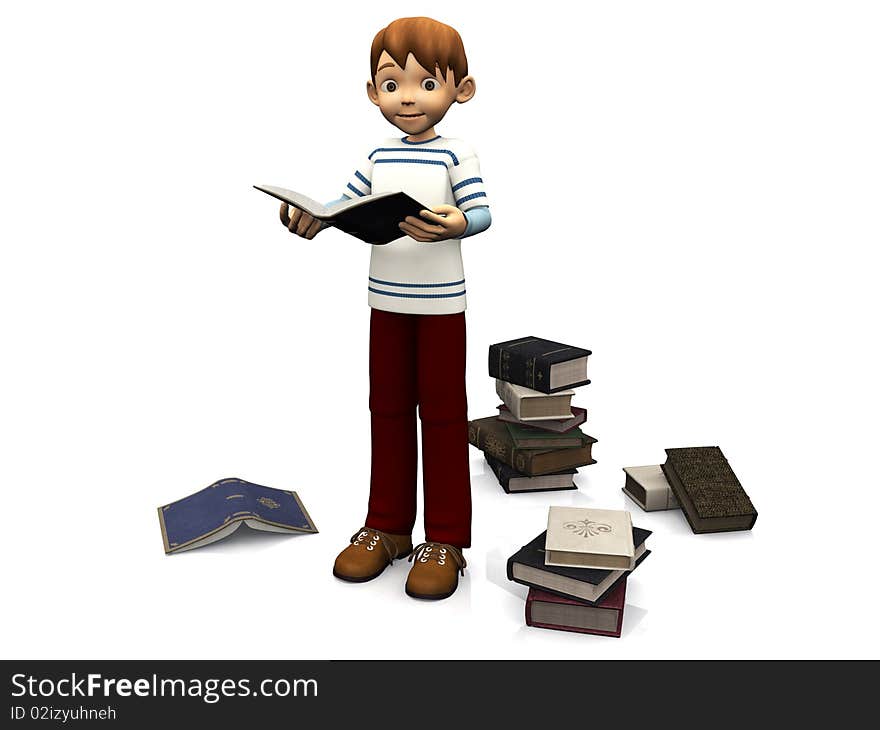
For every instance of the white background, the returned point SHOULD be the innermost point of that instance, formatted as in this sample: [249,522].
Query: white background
[689,189]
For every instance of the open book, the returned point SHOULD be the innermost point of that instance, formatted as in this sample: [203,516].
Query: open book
[220,509]
[372,218]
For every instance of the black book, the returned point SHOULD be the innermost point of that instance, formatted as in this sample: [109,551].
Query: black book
[515,482]
[372,218]
[589,585]
[541,365]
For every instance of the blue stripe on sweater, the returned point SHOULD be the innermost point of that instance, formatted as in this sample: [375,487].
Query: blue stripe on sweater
[459,201]
[469,181]
[418,150]
[415,296]
[401,284]
[416,162]
[355,190]
[425,141]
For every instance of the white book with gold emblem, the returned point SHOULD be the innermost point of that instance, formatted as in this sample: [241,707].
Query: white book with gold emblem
[581,537]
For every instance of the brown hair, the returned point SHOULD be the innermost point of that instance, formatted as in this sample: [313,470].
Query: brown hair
[433,44]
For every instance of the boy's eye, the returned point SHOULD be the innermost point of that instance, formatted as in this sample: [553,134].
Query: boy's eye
[389,86]
[430,85]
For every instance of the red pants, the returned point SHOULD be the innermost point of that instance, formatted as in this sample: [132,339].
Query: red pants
[419,360]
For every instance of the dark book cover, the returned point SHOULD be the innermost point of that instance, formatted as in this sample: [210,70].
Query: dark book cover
[528,361]
[505,473]
[372,218]
[379,221]
[526,437]
[491,436]
[532,556]
[708,491]
[215,511]
[635,491]
[548,611]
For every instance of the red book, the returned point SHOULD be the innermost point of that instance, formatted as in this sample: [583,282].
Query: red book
[549,611]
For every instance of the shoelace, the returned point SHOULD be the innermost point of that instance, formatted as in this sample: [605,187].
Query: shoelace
[439,552]
[369,538]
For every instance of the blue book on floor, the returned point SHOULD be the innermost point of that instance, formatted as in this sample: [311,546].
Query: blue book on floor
[220,509]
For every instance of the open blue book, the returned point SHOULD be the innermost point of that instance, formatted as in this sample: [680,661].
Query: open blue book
[220,509]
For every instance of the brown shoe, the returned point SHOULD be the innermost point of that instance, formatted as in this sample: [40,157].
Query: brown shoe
[434,574]
[370,552]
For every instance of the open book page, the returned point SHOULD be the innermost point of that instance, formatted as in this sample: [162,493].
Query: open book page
[316,209]
[298,200]
[374,219]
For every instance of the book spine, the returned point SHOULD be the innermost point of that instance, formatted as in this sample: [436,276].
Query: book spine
[515,367]
[682,496]
[499,445]
[501,474]
[510,577]
[523,461]
[513,403]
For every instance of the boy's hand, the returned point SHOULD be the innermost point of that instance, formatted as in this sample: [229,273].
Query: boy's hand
[300,222]
[440,224]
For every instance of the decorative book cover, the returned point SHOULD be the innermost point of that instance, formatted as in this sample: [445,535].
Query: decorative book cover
[548,611]
[648,487]
[539,364]
[513,482]
[589,538]
[531,405]
[554,425]
[491,436]
[527,567]
[219,509]
[710,494]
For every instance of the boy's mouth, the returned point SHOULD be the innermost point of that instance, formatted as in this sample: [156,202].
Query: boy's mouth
[411,116]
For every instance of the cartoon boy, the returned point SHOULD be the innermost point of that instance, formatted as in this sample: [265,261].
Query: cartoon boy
[417,299]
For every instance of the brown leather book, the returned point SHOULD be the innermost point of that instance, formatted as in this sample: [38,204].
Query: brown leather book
[549,611]
[708,491]
[492,437]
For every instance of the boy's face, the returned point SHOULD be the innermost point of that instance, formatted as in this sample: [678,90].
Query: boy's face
[412,98]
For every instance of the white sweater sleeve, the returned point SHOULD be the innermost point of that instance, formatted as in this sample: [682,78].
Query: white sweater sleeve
[359,183]
[467,183]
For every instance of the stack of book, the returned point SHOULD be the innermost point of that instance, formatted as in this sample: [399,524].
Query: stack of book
[577,570]
[535,442]
[701,482]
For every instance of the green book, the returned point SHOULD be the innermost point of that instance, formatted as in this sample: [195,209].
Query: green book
[491,436]
[525,437]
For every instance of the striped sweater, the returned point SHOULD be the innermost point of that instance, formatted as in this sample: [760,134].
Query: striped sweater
[405,275]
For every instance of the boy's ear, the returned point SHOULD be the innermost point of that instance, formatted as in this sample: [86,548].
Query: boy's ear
[372,93]
[466,90]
